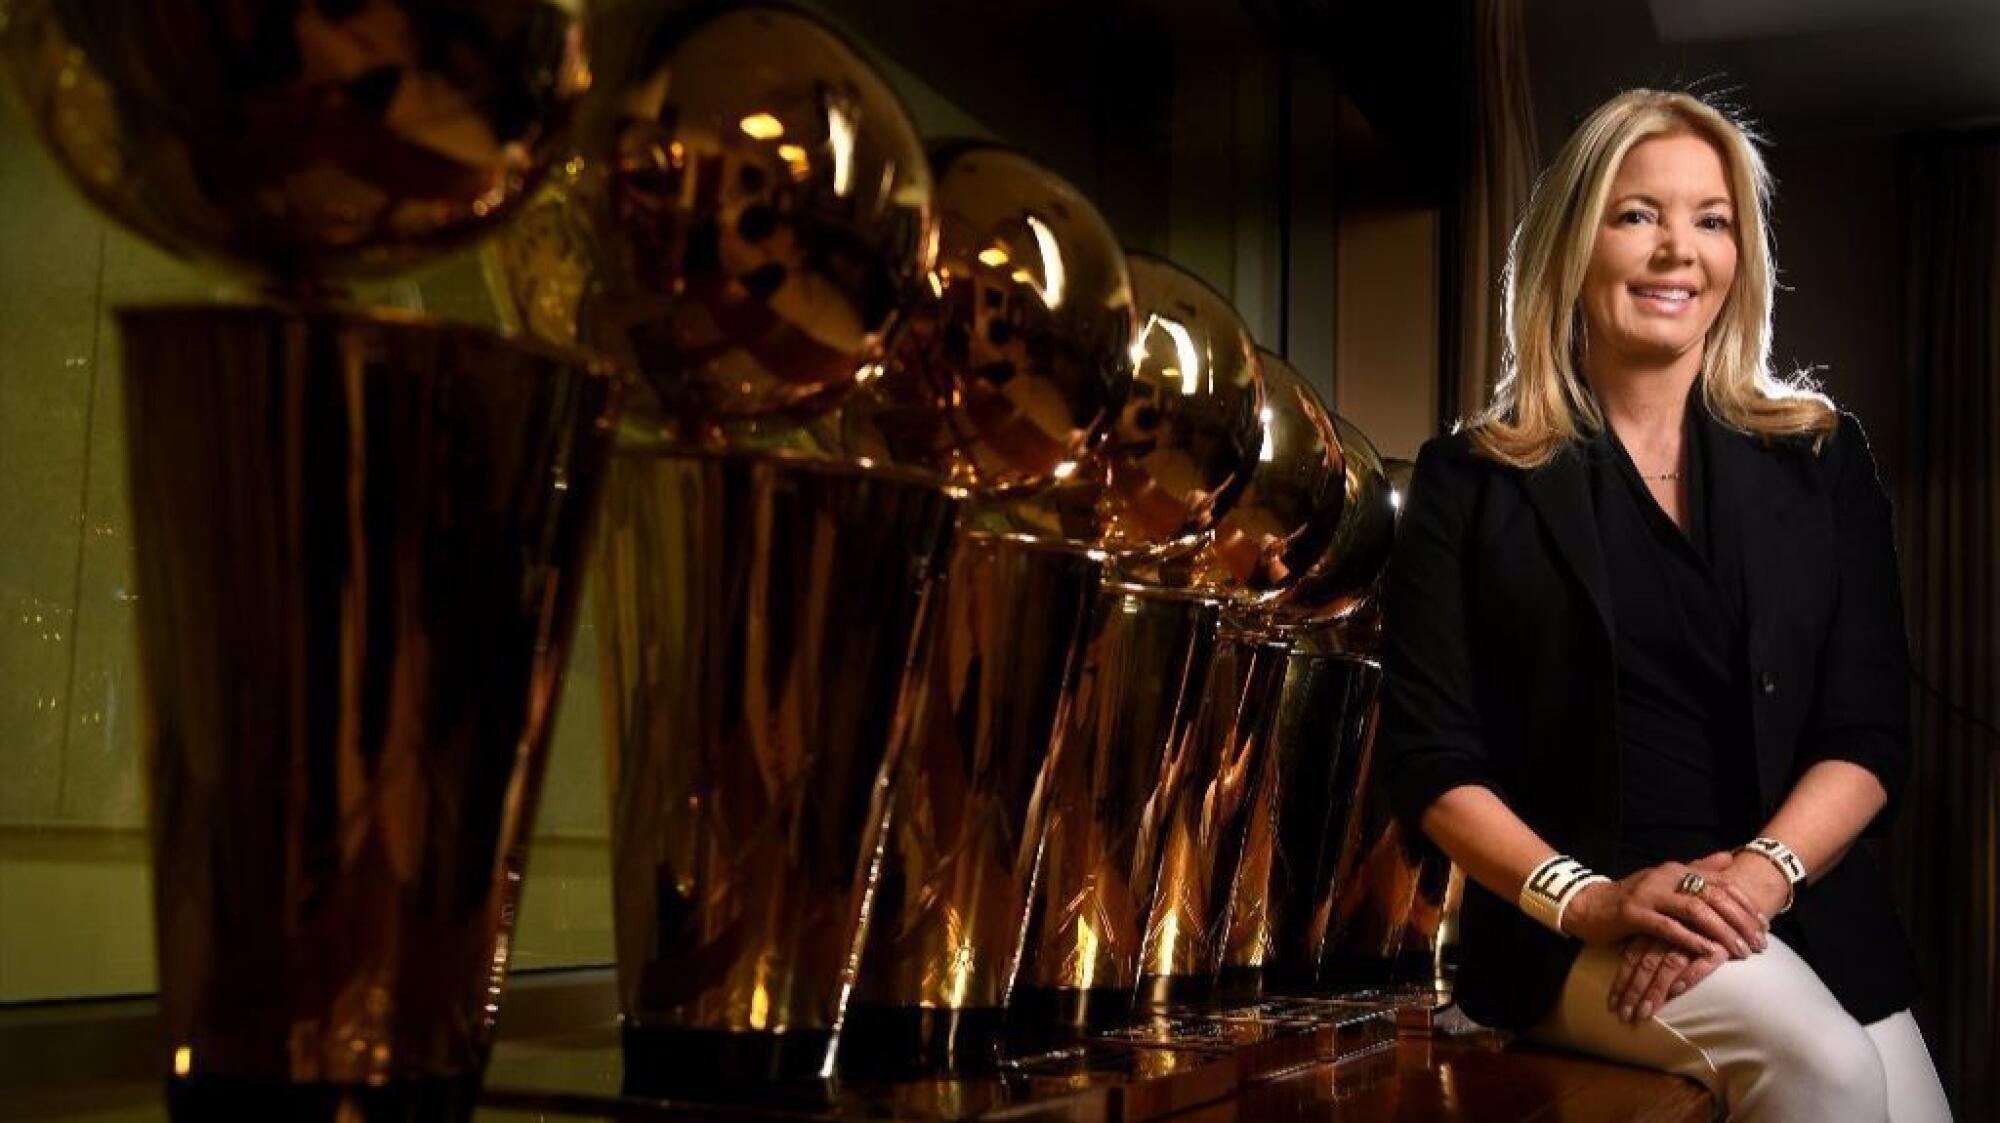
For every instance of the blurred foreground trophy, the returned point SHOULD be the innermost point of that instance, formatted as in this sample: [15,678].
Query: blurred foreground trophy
[749,211]
[357,534]
[1181,452]
[1278,528]
[1014,362]
[1286,889]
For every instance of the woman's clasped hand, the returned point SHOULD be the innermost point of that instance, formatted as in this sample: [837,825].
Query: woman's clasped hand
[1672,938]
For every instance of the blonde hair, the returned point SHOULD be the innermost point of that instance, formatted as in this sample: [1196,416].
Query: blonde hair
[1541,403]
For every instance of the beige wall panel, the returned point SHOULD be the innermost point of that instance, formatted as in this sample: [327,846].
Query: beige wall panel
[1387,348]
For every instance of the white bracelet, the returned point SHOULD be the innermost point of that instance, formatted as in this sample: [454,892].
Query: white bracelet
[1785,859]
[1552,886]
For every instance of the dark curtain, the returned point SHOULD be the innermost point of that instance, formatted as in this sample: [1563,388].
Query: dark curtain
[1948,830]
[1497,177]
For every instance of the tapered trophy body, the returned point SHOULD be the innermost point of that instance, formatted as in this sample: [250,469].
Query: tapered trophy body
[747,218]
[359,545]
[357,535]
[1286,878]
[960,866]
[1211,779]
[1145,653]
[759,621]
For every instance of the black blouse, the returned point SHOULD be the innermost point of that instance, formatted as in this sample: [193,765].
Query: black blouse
[1677,619]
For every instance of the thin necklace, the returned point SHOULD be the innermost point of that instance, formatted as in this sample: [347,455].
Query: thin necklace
[1674,476]
[1661,477]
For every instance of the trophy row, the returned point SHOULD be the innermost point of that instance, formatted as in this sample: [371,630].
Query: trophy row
[986,618]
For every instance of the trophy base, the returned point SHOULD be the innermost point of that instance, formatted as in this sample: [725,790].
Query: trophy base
[673,1061]
[1256,1046]
[897,1042]
[1055,1012]
[1141,1084]
[1237,985]
[1342,1027]
[1169,992]
[210,1099]
[1349,971]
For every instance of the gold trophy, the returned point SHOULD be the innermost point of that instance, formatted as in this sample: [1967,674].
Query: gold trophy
[1394,891]
[1276,530]
[749,211]
[1006,378]
[1181,453]
[1285,882]
[358,535]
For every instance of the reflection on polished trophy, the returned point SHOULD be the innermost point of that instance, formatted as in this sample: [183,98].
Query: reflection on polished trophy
[1212,777]
[1181,453]
[747,216]
[1288,883]
[1013,364]
[357,533]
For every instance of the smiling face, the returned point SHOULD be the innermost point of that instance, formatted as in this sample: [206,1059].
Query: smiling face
[1664,257]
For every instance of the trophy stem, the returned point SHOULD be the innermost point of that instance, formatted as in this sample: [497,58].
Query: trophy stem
[761,620]
[358,544]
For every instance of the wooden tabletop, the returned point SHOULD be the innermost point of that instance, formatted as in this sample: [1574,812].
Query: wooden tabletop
[1477,1078]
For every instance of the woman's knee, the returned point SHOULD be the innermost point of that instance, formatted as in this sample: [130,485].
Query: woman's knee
[1799,1069]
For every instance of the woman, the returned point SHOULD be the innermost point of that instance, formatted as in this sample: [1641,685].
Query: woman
[1643,620]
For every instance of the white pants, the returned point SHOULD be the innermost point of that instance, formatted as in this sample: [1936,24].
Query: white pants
[1763,1034]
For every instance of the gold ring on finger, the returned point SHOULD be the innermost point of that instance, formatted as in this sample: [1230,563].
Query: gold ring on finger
[1692,884]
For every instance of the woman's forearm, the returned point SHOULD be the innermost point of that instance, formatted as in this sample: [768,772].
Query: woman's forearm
[1498,850]
[1477,829]
[1827,810]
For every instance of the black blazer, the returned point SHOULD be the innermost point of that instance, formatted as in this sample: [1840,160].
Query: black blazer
[1499,671]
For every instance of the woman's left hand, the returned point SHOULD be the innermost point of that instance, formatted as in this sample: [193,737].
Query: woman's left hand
[1654,971]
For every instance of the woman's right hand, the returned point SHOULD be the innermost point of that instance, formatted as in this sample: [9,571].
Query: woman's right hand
[1649,903]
